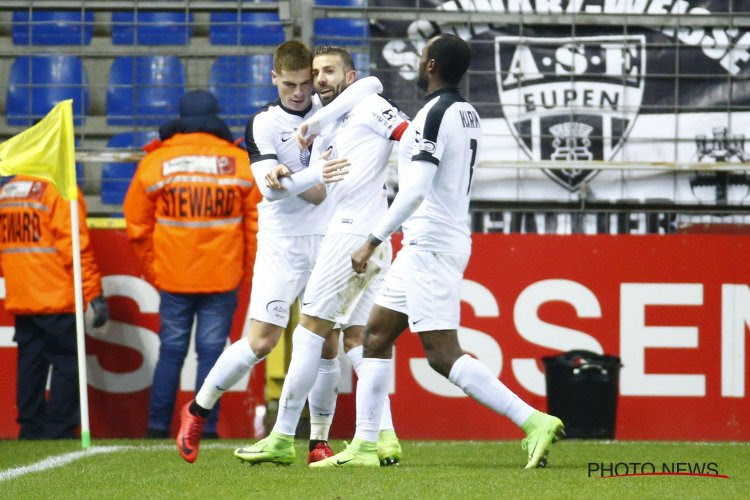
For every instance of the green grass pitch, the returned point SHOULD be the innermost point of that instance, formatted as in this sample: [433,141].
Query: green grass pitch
[133,469]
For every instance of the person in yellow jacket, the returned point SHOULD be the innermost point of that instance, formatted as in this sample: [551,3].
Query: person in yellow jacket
[191,213]
[36,255]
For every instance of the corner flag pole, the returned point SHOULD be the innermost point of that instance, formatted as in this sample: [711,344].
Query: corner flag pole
[70,189]
[80,334]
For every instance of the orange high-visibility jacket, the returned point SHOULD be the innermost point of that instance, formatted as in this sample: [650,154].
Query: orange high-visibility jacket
[191,213]
[37,248]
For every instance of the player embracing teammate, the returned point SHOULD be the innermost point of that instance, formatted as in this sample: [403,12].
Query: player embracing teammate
[292,221]
[437,156]
[335,294]
[351,284]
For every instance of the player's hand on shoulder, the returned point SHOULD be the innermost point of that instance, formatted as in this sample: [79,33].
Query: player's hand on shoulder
[273,176]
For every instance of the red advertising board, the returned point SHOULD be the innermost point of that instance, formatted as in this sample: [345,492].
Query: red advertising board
[121,356]
[675,308]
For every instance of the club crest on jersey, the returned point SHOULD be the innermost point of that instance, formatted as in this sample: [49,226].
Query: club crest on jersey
[304,157]
[570,99]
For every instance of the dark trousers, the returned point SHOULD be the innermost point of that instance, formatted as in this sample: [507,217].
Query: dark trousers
[44,341]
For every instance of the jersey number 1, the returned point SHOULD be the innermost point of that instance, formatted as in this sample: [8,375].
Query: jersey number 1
[473,146]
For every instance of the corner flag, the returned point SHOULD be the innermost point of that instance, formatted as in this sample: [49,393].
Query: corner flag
[46,150]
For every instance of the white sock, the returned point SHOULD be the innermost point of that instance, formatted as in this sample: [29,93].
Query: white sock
[232,365]
[372,392]
[303,370]
[477,381]
[355,356]
[322,398]
[386,419]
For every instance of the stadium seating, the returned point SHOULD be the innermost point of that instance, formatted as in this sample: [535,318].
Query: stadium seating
[245,28]
[144,90]
[80,175]
[361,63]
[45,27]
[347,32]
[341,3]
[242,85]
[37,83]
[116,177]
[151,28]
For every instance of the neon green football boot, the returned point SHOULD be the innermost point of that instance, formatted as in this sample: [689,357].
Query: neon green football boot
[358,454]
[275,448]
[541,431]
[389,449]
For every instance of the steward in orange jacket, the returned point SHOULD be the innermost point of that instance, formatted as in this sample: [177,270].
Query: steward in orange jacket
[192,217]
[36,254]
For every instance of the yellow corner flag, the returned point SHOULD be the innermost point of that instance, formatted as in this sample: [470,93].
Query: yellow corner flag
[46,150]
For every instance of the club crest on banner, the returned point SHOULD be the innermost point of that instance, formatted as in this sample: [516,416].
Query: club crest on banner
[572,98]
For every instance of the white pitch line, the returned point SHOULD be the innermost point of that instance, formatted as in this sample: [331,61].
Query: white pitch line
[66,458]
[57,461]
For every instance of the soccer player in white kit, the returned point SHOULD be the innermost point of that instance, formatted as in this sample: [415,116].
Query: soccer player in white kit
[437,156]
[289,236]
[335,293]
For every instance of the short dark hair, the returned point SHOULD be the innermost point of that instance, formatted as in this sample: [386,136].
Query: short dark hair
[452,57]
[346,57]
[291,56]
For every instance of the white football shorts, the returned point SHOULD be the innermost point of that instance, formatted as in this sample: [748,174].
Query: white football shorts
[282,267]
[426,286]
[335,292]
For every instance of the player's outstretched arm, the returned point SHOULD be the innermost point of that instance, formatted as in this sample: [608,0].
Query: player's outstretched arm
[344,103]
[414,187]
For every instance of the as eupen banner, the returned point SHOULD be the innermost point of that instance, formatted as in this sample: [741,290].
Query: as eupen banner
[614,93]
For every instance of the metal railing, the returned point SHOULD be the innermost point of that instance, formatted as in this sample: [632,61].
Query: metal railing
[581,108]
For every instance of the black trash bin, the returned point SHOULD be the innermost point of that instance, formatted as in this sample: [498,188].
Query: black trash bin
[582,390]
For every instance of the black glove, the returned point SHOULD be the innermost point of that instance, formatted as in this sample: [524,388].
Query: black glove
[101,311]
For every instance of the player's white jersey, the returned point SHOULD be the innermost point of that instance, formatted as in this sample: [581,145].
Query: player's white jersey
[445,132]
[269,135]
[364,137]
